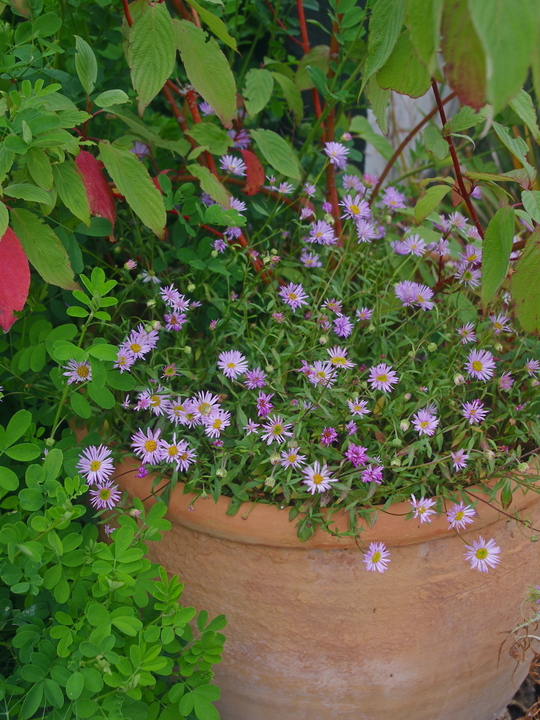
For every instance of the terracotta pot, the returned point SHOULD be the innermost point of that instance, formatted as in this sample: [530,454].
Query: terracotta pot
[312,635]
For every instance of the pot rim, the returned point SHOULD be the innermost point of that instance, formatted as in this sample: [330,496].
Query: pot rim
[265,524]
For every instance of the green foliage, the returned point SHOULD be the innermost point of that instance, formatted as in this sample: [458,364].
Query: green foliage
[496,254]
[525,286]
[403,72]
[277,152]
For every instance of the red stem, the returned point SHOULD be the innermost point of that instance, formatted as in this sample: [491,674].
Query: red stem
[281,25]
[403,145]
[459,177]
[306,47]
[331,190]
[181,9]
[127,13]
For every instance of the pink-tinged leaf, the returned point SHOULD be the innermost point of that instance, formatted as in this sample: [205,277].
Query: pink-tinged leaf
[255,172]
[14,278]
[100,197]
[465,64]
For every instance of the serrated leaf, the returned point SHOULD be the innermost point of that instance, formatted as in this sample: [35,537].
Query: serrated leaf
[216,25]
[462,120]
[384,28]
[111,97]
[465,64]
[14,278]
[524,285]
[318,57]
[258,90]
[497,247]
[436,145]
[25,191]
[523,106]
[516,145]
[132,179]
[211,136]
[531,203]
[403,72]
[292,96]
[428,202]
[210,184]
[379,100]
[71,190]
[39,167]
[85,64]
[360,125]
[424,23]
[207,69]
[151,52]
[500,25]
[278,153]
[43,249]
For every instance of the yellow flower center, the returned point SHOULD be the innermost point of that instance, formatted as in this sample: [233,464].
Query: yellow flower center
[155,400]
[105,493]
[277,429]
[291,458]
[177,409]
[339,360]
[354,209]
[292,296]
[231,365]
[95,465]
[150,445]
[382,378]
[217,423]
[421,510]
[204,408]
[83,371]
[477,365]
[317,478]
[135,347]
[481,553]
[459,515]
[172,451]
[376,557]
[183,456]
[424,423]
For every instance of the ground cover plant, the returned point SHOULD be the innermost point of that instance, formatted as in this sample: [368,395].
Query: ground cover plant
[196,268]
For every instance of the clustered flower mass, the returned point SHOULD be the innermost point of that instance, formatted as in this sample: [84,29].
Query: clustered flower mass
[360,373]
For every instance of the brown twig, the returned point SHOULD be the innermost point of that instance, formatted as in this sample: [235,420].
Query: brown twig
[455,160]
[281,24]
[306,47]
[181,9]
[401,147]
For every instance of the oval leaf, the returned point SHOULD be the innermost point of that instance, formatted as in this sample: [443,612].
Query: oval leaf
[210,184]
[525,288]
[258,90]
[278,153]
[403,72]
[85,64]
[255,172]
[132,179]
[430,201]
[497,247]
[71,189]
[98,192]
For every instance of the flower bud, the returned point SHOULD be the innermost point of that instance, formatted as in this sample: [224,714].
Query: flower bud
[323,339]
[274,459]
[404,425]
[432,347]
[396,462]
[151,303]
[407,396]
[191,287]
[397,442]
[523,466]
[459,379]
[329,219]
[269,482]
[187,350]
[156,325]
[269,369]
[214,253]
[498,347]
[49,442]
[221,473]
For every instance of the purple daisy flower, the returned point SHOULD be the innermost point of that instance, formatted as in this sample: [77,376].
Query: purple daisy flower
[337,154]
[357,455]
[467,333]
[321,233]
[291,458]
[264,406]
[293,295]
[480,364]
[459,459]
[318,477]
[309,259]
[393,199]
[328,436]
[373,473]
[106,496]
[77,372]
[382,377]
[255,379]
[423,508]
[276,430]
[474,411]
[483,555]
[376,558]
[460,515]
[232,364]
[355,208]
[233,165]
[147,446]
[96,464]
[343,327]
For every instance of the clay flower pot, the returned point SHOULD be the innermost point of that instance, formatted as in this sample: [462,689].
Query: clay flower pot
[312,635]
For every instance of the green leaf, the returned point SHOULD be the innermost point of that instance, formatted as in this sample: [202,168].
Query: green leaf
[204,710]
[132,179]
[360,125]
[379,100]
[497,247]
[120,381]
[403,72]
[436,145]
[47,24]
[151,52]
[424,23]
[128,625]
[31,193]
[384,28]
[101,396]
[258,90]
[465,64]
[23,452]
[53,693]
[211,136]
[531,203]
[207,69]
[97,614]
[39,167]
[71,190]
[517,146]
[523,105]
[75,685]
[43,249]
[210,184]
[99,227]
[103,352]
[317,57]
[132,121]
[4,219]
[85,64]
[17,426]
[508,31]
[80,405]
[111,97]
[524,285]
[77,311]
[32,701]
[8,480]
[216,25]
[278,153]
[428,202]
[462,120]
[292,96]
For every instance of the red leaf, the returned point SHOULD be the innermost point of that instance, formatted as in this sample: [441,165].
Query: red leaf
[100,197]
[14,278]
[465,64]
[255,172]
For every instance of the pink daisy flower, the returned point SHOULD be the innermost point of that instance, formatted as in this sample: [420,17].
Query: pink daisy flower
[459,459]
[467,334]
[414,245]
[233,165]
[423,508]
[106,496]
[96,464]
[147,446]
[293,295]
[321,233]
[291,458]
[532,367]
[483,555]
[343,327]
[474,411]
[358,407]
[364,314]
[338,357]
[500,323]
[506,381]
[382,377]
[216,423]
[124,360]
[357,455]
[480,364]
[373,473]
[328,436]
[393,199]
[232,364]
[460,515]
[337,154]
[425,423]
[355,208]
[309,259]
[77,372]
[317,477]
[376,558]
[264,406]
[255,379]
[365,231]
[276,430]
